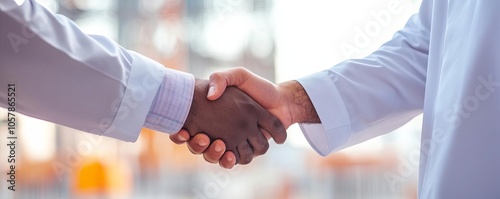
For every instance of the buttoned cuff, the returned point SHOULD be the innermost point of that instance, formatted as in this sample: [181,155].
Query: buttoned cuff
[171,105]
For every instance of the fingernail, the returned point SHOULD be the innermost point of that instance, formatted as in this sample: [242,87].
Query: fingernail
[181,138]
[211,91]
[218,148]
[202,142]
[230,159]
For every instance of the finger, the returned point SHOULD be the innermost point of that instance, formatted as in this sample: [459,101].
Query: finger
[217,86]
[199,143]
[215,151]
[272,125]
[228,160]
[246,153]
[180,137]
[259,144]
[266,134]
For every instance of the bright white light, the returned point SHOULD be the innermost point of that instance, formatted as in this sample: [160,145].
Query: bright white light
[226,38]
[94,4]
[37,138]
[295,137]
[165,38]
[19,2]
[261,44]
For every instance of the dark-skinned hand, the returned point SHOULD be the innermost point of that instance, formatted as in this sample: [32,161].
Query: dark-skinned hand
[234,118]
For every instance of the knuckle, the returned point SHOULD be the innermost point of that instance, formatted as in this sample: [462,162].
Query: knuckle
[261,149]
[215,76]
[246,154]
[243,124]
[240,69]
[260,146]
[244,70]
[245,160]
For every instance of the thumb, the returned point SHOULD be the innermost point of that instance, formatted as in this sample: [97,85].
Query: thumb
[217,85]
[220,80]
[260,89]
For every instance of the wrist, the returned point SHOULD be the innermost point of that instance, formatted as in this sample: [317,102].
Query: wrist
[199,95]
[299,105]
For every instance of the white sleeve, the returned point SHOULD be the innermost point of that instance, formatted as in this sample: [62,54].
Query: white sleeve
[357,100]
[62,75]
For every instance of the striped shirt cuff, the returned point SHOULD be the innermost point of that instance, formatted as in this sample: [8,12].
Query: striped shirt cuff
[172,102]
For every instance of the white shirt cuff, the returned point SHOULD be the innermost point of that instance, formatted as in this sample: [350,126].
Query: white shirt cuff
[334,130]
[143,83]
[172,103]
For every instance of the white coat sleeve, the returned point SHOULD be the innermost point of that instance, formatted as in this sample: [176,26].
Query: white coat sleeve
[357,100]
[62,75]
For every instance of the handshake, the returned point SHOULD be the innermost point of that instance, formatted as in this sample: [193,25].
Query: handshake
[235,113]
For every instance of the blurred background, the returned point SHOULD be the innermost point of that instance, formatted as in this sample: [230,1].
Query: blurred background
[279,40]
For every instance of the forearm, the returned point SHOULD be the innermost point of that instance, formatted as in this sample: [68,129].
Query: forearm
[300,106]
